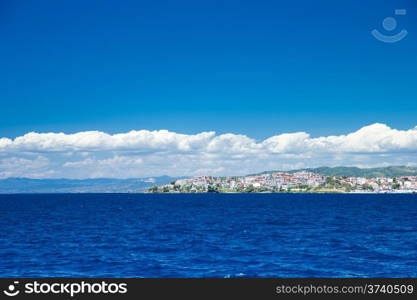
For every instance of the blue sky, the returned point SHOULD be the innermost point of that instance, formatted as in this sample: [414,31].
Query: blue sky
[251,67]
[282,77]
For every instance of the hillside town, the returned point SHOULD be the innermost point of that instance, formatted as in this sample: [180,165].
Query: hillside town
[302,181]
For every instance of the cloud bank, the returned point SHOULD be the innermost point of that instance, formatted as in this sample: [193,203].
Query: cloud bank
[151,153]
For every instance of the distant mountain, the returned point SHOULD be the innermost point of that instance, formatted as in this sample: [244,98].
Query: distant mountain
[393,171]
[101,185]
[108,185]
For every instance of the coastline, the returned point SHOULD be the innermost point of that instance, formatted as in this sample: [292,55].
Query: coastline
[299,181]
[269,192]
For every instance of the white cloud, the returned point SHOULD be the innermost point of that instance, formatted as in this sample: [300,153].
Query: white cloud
[142,140]
[23,167]
[152,153]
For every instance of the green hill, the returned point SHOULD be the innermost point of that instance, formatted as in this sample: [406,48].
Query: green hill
[393,171]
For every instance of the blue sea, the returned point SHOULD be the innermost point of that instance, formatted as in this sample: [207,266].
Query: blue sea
[208,235]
